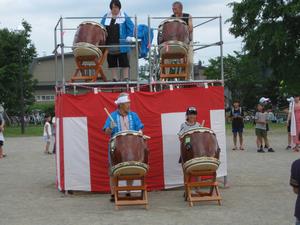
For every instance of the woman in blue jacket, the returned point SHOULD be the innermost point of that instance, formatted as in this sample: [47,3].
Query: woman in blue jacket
[120,28]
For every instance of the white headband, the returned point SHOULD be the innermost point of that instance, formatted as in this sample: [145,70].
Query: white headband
[122,99]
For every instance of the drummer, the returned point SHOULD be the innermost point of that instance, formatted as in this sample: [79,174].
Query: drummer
[119,29]
[177,8]
[191,121]
[123,119]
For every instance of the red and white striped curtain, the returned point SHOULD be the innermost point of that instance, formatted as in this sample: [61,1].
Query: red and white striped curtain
[82,147]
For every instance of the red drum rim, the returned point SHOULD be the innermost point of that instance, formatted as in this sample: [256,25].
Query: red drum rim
[93,23]
[170,20]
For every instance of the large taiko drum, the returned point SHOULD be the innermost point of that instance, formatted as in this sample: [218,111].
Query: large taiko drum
[173,36]
[89,35]
[129,154]
[199,150]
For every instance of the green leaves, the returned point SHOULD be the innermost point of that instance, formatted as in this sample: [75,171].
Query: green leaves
[270,30]
[16,45]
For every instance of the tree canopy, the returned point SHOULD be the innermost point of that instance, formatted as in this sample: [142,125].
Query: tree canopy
[16,55]
[271,34]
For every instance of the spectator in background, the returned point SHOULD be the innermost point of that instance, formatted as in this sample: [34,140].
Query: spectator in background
[1,136]
[47,134]
[261,118]
[53,133]
[295,121]
[295,182]
[288,123]
[237,118]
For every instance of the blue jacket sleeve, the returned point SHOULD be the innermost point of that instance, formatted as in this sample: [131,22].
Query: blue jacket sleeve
[107,123]
[129,26]
[137,122]
[103,20]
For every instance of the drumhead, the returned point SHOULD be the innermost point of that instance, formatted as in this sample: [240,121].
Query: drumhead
[127,132]
[200,130]
[130,168]
[86,49]
[201,164]
[173,47]
[160,26]
[94,24]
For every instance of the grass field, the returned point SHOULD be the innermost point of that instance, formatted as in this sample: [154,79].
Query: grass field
[30,131]
[34,131]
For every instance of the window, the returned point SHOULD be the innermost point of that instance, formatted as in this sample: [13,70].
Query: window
[44,98]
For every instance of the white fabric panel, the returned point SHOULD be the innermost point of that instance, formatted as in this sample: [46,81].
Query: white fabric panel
[217,121]
[76,154]
[173,176]
[57,154]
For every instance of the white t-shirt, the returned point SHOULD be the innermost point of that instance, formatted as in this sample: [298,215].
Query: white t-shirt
[47,127]
[1,133]
[186,127]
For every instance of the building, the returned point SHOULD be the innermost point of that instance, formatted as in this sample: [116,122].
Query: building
[43,70]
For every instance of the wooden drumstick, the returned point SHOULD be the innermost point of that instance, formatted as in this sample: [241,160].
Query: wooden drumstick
[108,114]
[203,122]
[146,137]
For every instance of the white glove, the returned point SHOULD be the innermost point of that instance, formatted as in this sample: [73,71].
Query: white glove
[130,39]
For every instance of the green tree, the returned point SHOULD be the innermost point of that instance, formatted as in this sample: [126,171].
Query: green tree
[246,78]
[271,34]
[16,55]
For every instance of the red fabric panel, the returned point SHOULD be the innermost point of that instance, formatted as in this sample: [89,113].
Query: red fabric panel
[149,106]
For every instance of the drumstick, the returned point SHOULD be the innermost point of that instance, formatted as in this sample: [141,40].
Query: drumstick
[203,122]
[105,109]
[146,137]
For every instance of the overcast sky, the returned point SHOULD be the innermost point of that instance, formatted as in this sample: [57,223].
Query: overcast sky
[43,15]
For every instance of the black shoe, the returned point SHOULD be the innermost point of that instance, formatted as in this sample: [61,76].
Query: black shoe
[266,147]
[128,195]
[260,150]
[114,80]
[112,198]
[288,147]
[271,150]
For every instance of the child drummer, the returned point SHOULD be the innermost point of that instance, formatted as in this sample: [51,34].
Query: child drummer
[190,123]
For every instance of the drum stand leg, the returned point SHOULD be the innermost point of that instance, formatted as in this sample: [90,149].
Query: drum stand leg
[212,195]
[130,200]
[181,66]
[97,67]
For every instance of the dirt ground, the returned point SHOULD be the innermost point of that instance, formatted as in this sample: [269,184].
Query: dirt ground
[259,192]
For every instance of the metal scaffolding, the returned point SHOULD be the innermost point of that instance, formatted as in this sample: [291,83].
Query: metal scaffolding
[152,82]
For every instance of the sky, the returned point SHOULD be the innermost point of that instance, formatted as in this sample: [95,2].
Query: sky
[43,16]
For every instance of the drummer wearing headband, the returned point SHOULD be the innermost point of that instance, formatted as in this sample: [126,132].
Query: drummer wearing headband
[123,119]
[177,8]
[120,30]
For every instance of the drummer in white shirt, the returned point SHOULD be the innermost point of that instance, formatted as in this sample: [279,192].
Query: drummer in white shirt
[177,8]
